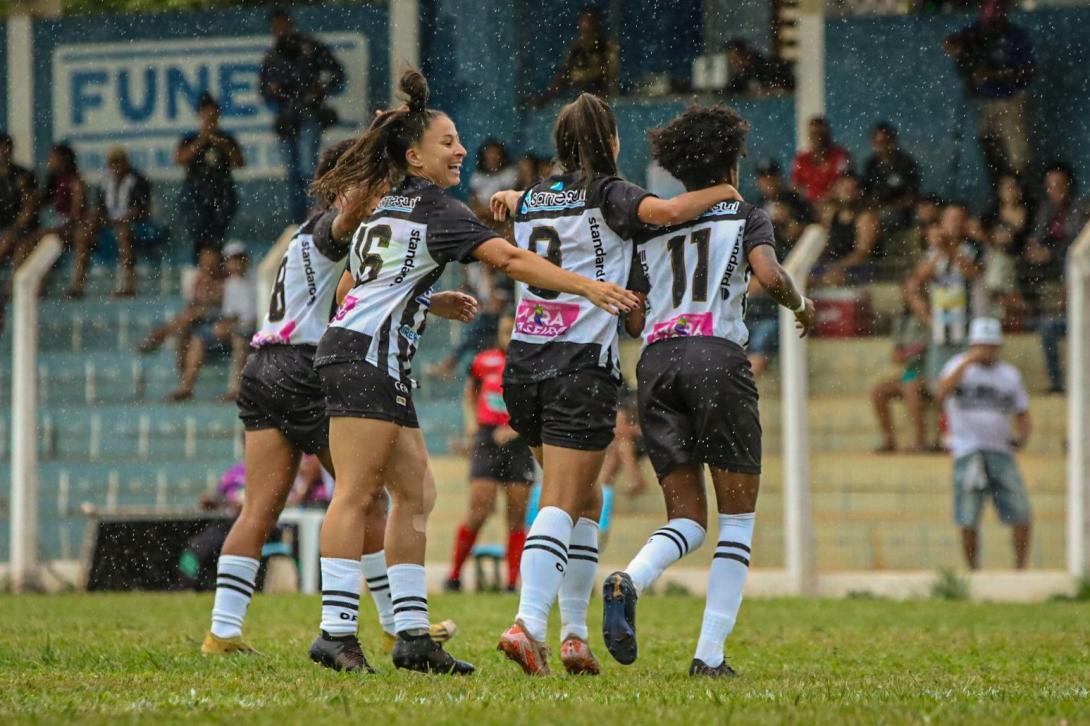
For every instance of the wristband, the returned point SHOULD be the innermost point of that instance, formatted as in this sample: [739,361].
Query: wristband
[802,306]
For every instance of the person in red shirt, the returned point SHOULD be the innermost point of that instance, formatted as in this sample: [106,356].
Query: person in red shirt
[499,458]
[814,172]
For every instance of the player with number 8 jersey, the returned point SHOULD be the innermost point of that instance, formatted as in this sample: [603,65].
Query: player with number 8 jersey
[562,378]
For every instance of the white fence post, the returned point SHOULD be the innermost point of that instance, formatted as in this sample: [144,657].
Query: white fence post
[24,413]
[1078,406]
[267,268]
[798,524]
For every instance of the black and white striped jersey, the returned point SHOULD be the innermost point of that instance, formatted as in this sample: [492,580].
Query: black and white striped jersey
[306,283]
[696,274]
[587,230]
[396,256]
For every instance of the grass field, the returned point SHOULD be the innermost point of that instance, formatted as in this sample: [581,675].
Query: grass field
[105,658]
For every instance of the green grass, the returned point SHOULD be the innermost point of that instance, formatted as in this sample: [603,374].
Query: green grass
[109,658]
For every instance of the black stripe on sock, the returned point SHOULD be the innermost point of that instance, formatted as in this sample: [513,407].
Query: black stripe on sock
[378,588]
[407,608]
[410,598]
[229,586]
[672,538]
[679,534]
[731,556]
[341,604]
[376,579]
[737,545]
[236,578]
[342,593]
[588,558]
[582,548]
[555,553]
[554,540]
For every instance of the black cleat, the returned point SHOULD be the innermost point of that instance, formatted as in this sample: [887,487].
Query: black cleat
[619,617]
[452,585]
[421,653]
[341,653]
[700,668]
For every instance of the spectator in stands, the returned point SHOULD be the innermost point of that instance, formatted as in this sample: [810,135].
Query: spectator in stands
[752,74]
[853,234]
[526,171]
[995,59]
[1004,230]
[203,294]
[891,179]
[773,190]
[18,201]
[1058,221]
[125,211]
[942,290]
[909,385]
[298,75]
[63,201]
[592,63]
[494,173]
[981,395]
[815,171]
[209,198]
[227,332]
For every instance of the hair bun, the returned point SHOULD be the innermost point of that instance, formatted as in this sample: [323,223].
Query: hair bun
[414,87]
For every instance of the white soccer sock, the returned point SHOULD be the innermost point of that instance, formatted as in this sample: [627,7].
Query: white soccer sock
[340,595]
[409,593]
[235,581]
[544,558]
[378,584]
[664,547]
[728,576]
[578,581]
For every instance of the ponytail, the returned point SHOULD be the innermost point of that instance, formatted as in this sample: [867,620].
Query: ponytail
[585,132]
[378,156]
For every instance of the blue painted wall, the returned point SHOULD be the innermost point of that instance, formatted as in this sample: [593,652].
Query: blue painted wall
[894,68]
[262,210]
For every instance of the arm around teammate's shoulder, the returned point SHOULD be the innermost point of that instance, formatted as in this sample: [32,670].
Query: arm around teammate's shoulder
[684,207]
[535,270]
[780,287]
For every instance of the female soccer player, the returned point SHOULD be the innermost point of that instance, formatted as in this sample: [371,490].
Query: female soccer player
[562,377]
[697,398]
[282,407]
[499,459]
[365,357]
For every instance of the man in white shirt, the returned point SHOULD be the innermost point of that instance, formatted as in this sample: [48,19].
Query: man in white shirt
[982,395]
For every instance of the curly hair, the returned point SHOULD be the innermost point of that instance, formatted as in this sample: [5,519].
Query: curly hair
[702,146]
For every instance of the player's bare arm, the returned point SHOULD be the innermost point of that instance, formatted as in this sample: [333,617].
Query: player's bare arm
[780,287]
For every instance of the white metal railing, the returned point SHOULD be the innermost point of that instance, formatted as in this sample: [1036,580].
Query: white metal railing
[266,269]
[24,412]
[1078,406]
[798,519]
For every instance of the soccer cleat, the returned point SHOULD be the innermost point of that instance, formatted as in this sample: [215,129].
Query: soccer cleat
[452,585]
[518,645]
[619,617]
[341,653]
[700,668]
[421,653]
[577,659]
[214,645]
[439,632]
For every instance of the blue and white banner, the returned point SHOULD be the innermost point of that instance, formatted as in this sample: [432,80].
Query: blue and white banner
[143,96]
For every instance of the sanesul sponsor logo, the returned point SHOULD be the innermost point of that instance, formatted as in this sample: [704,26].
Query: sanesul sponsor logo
[549,200]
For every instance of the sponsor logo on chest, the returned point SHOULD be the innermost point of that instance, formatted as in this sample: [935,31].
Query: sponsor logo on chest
[545,319]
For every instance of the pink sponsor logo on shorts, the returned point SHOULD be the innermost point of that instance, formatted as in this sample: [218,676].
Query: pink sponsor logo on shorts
[545,319]
[683,326]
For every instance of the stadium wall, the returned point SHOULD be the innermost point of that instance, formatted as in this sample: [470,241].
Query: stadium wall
[262,199]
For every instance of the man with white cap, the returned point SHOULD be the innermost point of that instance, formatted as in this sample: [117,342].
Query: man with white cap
[982,396]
